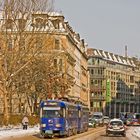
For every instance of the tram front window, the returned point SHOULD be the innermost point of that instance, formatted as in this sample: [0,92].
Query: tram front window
[52,113]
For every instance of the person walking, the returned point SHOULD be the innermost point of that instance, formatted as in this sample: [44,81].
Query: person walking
[25,122]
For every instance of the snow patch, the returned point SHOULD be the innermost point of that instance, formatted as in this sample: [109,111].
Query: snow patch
[17,131]
[136,132]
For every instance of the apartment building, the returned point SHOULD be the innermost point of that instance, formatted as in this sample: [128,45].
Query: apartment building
[114,82]
[72,55]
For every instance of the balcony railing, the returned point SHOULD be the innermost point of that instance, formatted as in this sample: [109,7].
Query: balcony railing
[132,100]
[99,76]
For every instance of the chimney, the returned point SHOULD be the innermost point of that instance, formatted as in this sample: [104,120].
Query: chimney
[126,51]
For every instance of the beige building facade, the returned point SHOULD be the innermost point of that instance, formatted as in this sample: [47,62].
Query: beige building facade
[72,57]
[114,83]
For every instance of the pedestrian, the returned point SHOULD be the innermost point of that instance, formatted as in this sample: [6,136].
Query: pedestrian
[25,122]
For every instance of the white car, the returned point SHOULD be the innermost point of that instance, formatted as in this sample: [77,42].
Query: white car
[106,119]
[98,116]
[116,127]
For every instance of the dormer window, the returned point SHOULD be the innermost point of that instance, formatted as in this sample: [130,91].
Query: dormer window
[39,22]
[56,23]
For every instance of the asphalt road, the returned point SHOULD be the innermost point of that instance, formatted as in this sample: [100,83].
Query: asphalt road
[92,134]
[102,136]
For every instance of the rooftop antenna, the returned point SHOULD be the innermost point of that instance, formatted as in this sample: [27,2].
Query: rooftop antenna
[126,51]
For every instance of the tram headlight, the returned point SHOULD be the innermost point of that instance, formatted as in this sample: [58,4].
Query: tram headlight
[58,125]
[45,103]
[43,125]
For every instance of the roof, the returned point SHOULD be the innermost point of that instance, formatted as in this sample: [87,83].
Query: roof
[91,52]
[48,22]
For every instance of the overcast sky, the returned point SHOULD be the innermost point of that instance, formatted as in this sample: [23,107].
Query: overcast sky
[105,24]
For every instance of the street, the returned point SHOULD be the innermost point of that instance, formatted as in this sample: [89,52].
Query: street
[92,134]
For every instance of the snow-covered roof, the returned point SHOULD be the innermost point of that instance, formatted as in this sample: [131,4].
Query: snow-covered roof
[115,59]
[111,57]
[55,14]
[46,22]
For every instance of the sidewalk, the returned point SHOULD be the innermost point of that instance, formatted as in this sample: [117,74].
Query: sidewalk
[136,132]
[17,131]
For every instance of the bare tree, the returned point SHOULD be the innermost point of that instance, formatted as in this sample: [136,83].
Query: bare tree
[43,78]
[19,44]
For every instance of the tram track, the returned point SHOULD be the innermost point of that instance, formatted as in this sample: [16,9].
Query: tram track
[90,131]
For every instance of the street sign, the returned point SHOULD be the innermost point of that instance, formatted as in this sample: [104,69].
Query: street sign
[108,91]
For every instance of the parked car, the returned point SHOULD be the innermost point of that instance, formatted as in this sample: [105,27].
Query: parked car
[91,122]
[106,119]
[98,116]
[134,121]
[116,127]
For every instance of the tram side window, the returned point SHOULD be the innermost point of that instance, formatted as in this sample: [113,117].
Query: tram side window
[76,113]
[71,113]
[41,113]
[79,113]
[64,112]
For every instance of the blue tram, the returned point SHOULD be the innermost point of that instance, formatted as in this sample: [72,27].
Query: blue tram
[62,118]
[83,116]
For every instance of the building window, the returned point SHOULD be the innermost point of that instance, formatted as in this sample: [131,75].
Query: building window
[60,64]
[57,44]
[98,71]
[131,79]
[92,71]
[92,94]
[91,104]
[96,82]
[98,61]
[55,63]
[91,81]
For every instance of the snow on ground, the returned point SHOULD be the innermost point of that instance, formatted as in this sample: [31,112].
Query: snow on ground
[136,132]
[17,131]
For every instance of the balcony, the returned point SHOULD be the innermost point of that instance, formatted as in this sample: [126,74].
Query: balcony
[131,100]
[101,98]
[97,89]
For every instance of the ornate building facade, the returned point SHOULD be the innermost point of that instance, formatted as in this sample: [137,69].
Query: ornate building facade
[71,51]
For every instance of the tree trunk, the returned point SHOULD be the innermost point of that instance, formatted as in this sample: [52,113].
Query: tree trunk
[29,102]
[6,112]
